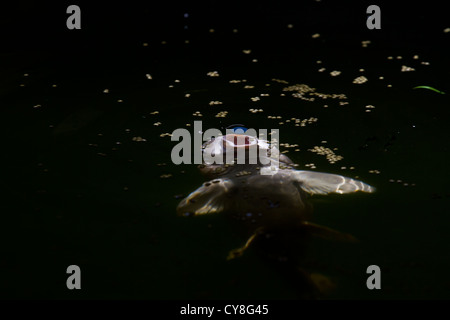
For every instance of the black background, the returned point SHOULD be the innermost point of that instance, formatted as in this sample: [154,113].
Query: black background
[34,34]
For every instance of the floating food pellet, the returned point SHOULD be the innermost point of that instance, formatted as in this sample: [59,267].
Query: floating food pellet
[407,69]
[280,81]
[327,152]
[360,80]
[165,135]
[335,73]
[222,114]
[212,74]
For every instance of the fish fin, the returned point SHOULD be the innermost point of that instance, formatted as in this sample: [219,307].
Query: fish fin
[327,233]
[324,183]
[238,252]
[324,284]
[209,198]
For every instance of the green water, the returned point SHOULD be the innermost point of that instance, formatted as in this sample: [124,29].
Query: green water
[73,195]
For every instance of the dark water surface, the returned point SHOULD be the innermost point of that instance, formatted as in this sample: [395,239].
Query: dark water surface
[78,190]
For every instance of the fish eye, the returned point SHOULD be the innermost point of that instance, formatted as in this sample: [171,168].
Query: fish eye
[237,128]
[240,130]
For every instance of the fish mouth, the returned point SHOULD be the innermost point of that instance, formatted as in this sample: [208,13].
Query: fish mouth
[233,142]
[238,141]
